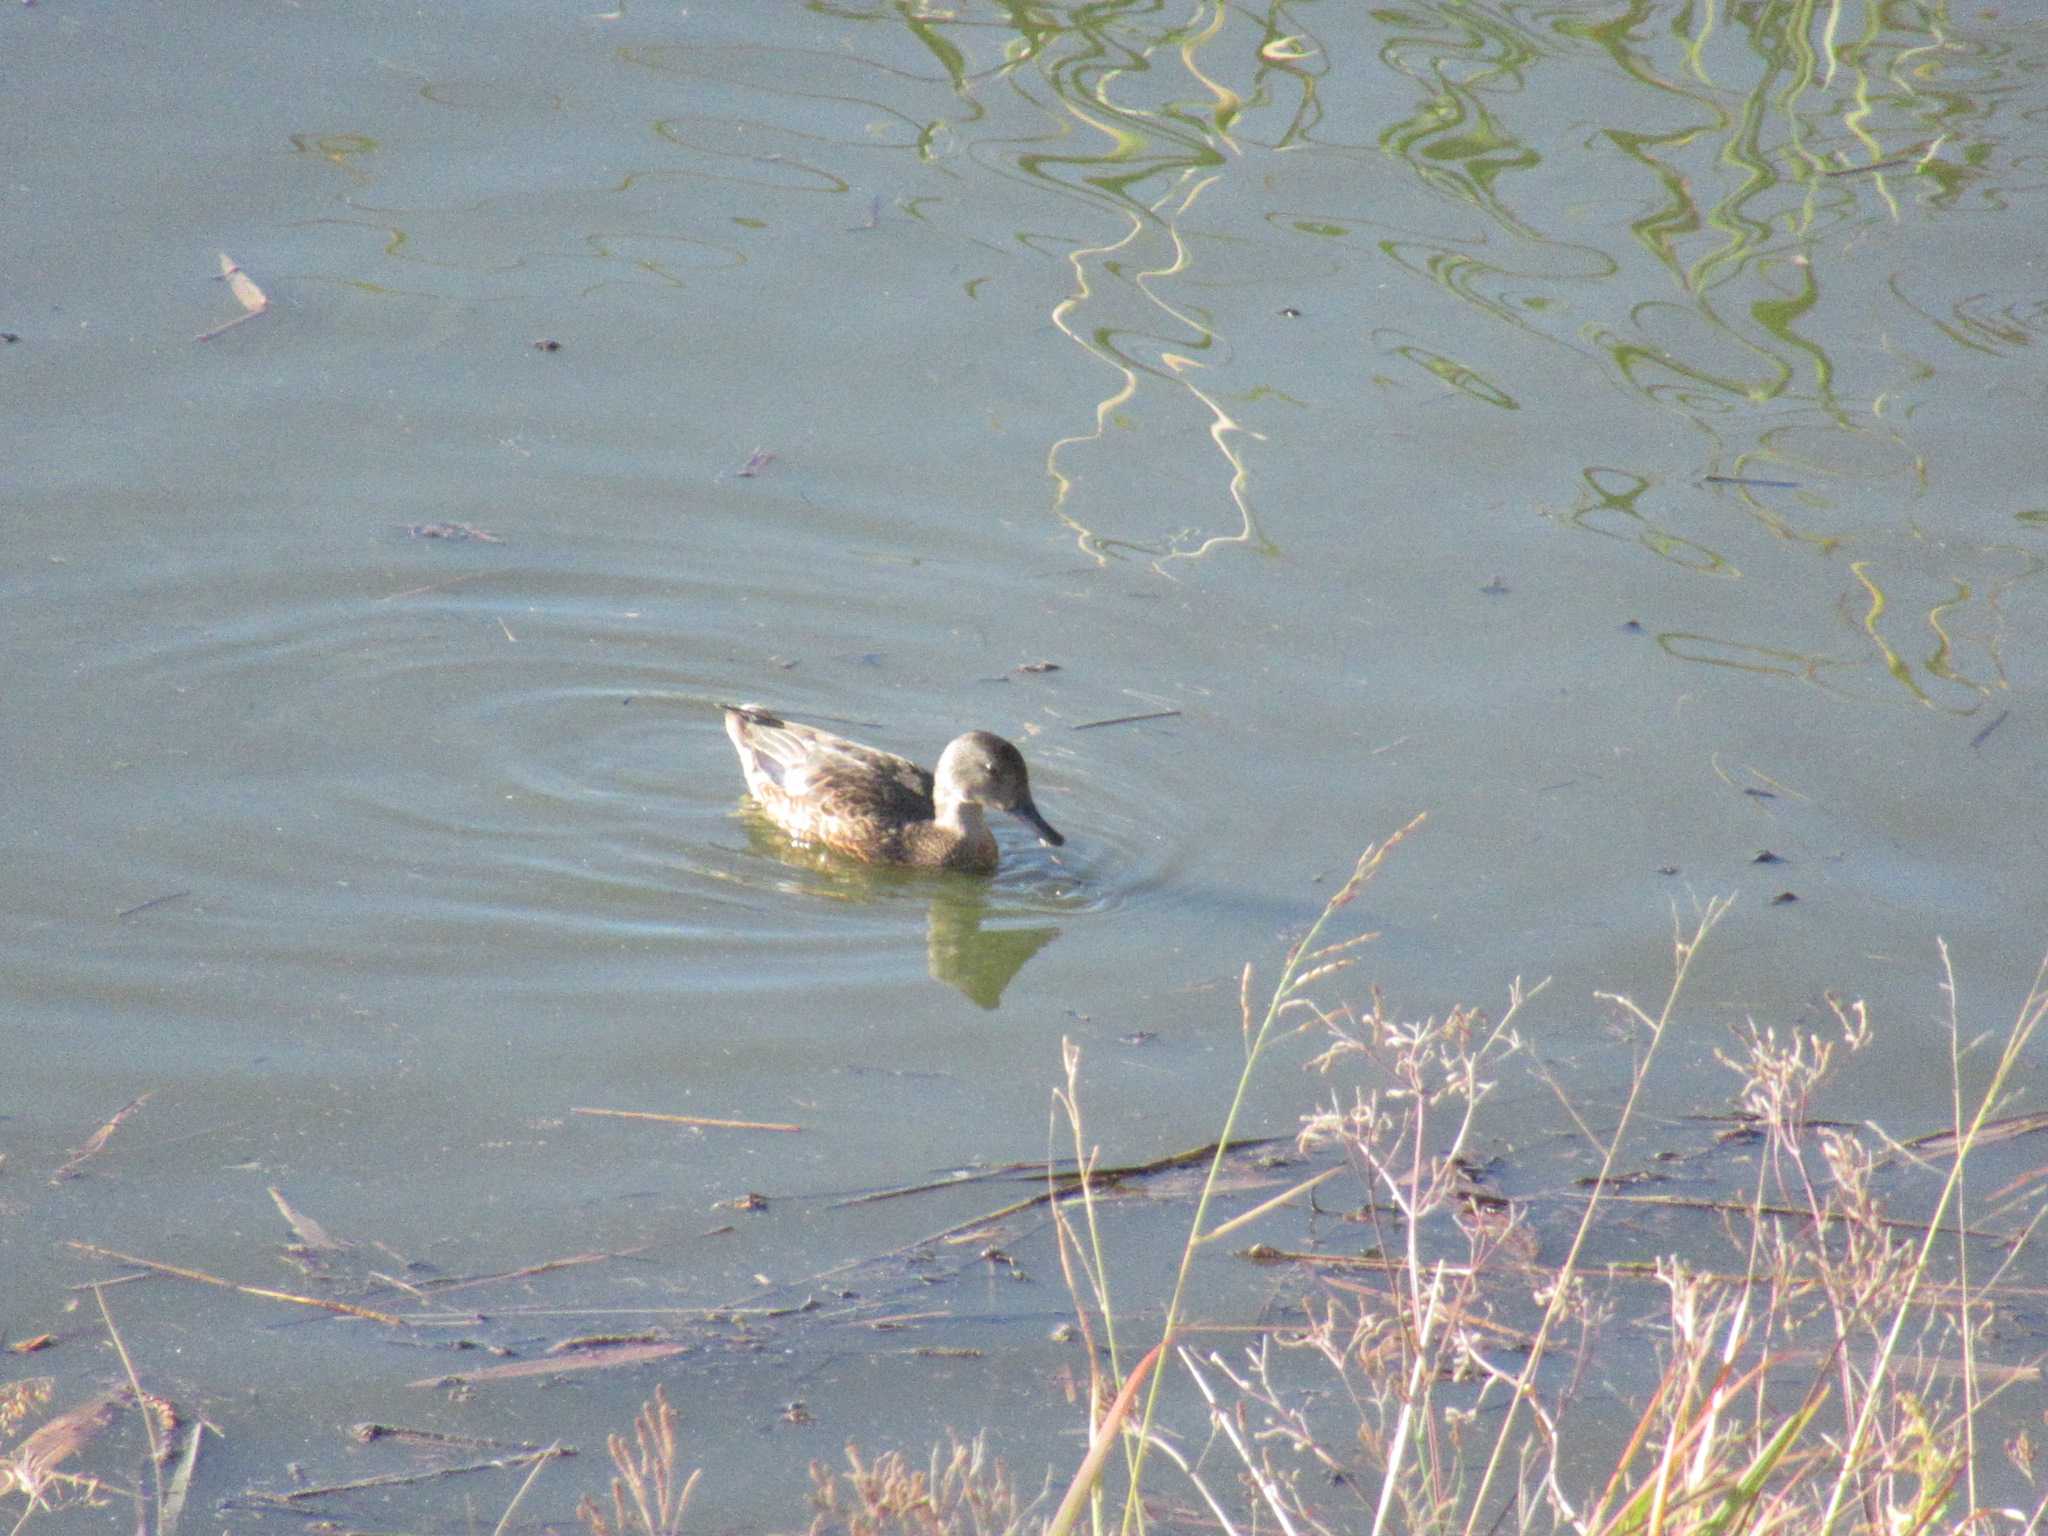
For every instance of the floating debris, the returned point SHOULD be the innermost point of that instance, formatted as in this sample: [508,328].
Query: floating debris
[144,906]
[33,1464]
[1978,739]
[96,1143]
[252,299]
[1157,714]
[456,532]
[703,1121]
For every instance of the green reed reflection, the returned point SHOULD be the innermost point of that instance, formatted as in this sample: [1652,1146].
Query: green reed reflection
[1608,507]
[1141,114]
[1704,215]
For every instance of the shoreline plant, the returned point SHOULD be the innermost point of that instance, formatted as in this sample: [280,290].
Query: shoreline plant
[1834,1379]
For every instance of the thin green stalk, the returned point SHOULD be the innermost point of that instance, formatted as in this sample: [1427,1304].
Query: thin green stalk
[1094,1265]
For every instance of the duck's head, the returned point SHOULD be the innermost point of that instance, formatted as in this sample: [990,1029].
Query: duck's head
[986,770]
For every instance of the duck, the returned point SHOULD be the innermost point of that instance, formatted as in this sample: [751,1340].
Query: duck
[877,807]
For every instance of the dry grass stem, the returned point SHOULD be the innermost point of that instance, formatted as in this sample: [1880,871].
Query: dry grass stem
[647,1500]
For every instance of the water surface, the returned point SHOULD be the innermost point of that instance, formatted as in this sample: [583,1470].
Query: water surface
[1613,434]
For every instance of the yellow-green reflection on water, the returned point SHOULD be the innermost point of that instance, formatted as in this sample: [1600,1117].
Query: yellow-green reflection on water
[1699,225]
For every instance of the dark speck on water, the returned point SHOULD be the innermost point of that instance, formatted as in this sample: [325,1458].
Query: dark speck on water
[1978,739]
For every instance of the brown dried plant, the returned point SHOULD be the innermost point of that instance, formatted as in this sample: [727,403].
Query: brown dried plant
[34,1466]
[1828,1381]
[646,1500]
[963,1492]
[22,1397]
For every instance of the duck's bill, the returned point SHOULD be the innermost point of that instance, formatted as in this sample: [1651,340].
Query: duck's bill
[1028,814]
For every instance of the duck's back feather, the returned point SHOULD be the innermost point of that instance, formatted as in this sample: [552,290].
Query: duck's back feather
[825,789]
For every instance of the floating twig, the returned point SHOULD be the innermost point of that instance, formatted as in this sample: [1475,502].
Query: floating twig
[1065,1180]
[364,1434]
[1978,739]
[1769,485]
[264,1292]
[699,1120]
[1157,714]
[401,1479]
[144,906]
[556,1365]
[546,1266]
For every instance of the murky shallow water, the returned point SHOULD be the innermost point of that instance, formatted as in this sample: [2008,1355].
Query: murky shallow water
[1431,415]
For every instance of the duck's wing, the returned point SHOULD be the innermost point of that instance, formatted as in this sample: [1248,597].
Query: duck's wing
[839,777]
[857,783]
